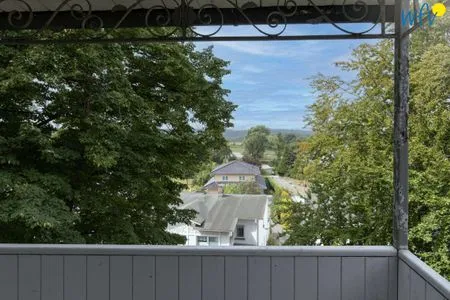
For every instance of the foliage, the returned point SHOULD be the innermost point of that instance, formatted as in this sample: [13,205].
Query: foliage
[204,174]
[94,138]
[222,154]
[281,204]
[349,160]
[242,188]
[286,151]
[255,144]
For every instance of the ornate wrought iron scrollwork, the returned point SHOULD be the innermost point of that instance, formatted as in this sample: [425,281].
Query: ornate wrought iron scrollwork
[19,19]
[358,6]
[181,18]
[205,18]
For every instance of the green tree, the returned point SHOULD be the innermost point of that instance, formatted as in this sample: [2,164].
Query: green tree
[279,144]
[221,154]
[349,160]
[94,138]
[280,209]
[286,156]
[255,144]
[203,175]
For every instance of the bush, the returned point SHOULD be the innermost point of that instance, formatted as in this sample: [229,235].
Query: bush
[242,188]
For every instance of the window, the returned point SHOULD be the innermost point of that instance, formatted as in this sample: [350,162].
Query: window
[240,231]
[224,178]
[207,241]
[202,241]
[241,178]
[213,241]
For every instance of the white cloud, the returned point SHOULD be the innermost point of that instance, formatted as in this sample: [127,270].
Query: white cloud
[276,49]
[251,69]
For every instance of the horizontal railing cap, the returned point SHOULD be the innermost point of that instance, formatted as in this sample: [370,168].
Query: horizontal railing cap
[81,249]
[429,275]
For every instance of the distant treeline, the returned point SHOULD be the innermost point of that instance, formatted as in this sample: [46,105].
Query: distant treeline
[235,135]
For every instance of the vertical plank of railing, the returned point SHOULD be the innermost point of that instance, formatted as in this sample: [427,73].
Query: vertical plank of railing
[258,278]
[329,278]
[121,277]
[235,278]
[52,277]
[417,287]
[213,278]
[353,278]
[306,276]
[8,276]
[97,278]
[29,277]
[144,278]
[377,270]
[190,277]
[74,277]
[432,294]
[393,286]
[404,281]
[166,277]
[282,278]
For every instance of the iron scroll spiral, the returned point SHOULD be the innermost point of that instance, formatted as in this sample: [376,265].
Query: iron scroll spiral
[19,19]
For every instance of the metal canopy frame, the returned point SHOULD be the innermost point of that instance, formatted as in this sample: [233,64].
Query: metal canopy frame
[180,21]
[191,20]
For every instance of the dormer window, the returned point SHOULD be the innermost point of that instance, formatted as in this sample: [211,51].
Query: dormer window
[240,232]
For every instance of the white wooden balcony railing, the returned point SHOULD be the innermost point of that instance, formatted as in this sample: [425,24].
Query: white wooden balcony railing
[92,272]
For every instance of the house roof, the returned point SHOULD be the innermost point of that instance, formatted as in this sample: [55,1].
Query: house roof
[220,213]
[236,167]
[199,202]
[211,183]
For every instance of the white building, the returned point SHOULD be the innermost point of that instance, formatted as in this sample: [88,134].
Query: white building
[225,220]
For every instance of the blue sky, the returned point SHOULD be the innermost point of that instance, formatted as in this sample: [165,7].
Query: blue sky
[269,80]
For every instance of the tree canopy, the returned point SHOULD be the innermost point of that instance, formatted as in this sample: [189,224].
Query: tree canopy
[255,144]
[349,161]
[94,138]
[286,151]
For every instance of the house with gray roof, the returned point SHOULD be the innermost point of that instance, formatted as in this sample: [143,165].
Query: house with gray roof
[225,220]
[235,172]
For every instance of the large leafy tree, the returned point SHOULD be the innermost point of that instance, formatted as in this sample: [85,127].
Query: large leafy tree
[349,160]
[255,144]
[94,138]
[286,157]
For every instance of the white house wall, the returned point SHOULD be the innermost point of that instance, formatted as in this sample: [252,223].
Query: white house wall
[256,232]
[191,234]
[264,227]
[250,233]
[234,178]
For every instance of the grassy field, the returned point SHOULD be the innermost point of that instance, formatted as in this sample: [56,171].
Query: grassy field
[238,147]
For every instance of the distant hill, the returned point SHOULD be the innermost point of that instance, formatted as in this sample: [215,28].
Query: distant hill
[235,135]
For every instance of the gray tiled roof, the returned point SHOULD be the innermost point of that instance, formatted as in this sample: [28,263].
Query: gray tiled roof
[221,212]
[236,167]
[201,203]
[211,183]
